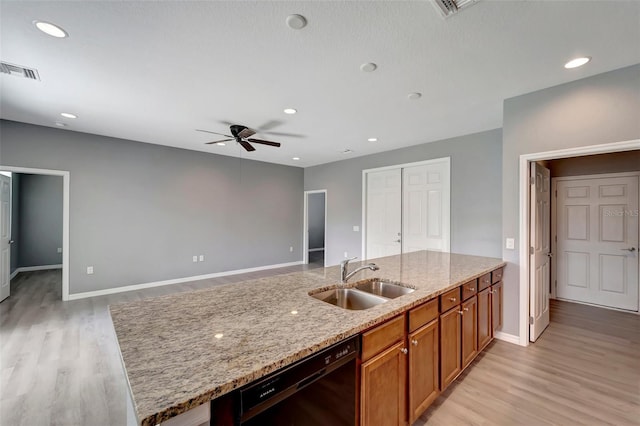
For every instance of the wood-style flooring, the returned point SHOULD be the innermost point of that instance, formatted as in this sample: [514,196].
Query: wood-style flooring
[59,364]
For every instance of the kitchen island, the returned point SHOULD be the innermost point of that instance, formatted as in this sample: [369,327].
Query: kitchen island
[181,351]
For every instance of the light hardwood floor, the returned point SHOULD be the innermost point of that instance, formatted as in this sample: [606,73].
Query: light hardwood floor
[59,364]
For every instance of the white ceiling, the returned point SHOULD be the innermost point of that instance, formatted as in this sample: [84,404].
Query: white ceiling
[155,71]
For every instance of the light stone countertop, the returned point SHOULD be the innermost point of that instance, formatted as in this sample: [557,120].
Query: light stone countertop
[174,363]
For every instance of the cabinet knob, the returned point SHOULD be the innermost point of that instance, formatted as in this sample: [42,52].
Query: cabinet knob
[414,342]
[465,309]
[460,312]
[453,299]
[404,350]
[472,289]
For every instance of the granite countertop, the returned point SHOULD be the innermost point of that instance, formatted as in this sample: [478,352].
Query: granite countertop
[182,350]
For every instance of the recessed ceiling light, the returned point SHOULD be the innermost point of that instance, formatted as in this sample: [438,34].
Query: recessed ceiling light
[577,62]
[296,22]
[220,143]
[68,115]
[295,158]
[414,96]
[59,124]
[290,111]
[373,139]
[368,67]
[50,29]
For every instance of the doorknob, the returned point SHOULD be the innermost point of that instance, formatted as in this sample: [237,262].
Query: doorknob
[632,249]
[398,241]
[11,241]
[550,254]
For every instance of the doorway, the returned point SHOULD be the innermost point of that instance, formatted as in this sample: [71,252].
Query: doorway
[315,227]
[530,285]
[61,248]
[406,208]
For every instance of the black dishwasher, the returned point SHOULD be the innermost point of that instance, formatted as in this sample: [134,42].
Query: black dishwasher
[319,390]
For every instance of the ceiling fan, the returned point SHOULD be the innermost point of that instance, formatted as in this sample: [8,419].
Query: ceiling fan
[242,135]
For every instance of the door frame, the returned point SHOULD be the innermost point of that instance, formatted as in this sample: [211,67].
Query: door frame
[446,220]
[524,203]
[305,226]
[554,233]
[65,216]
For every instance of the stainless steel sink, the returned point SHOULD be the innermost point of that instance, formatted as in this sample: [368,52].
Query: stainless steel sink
[349,298]
[384,288]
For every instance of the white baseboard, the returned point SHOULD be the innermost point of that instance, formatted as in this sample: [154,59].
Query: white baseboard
[317,249]
[114,290]
[33,268]
[511,338]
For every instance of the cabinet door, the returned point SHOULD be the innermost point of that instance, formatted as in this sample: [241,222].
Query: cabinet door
[450,361]
[496,307]
[383,388]
[484,318]
[423,369]
[469,331]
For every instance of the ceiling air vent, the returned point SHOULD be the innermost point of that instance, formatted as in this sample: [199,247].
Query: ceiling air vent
[451,7]
[19,71]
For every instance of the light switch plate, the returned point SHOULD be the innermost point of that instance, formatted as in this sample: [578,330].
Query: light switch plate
[59,249]
[510,243]
[195,259]
[89,270]
[356,228]
[202,258]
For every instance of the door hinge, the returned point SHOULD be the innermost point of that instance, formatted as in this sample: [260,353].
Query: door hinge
[556,193]
[530,320]
[531,250]
[532,180]
[556,238]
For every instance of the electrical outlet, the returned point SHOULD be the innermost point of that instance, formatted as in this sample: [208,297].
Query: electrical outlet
[59,249]
[202,258]
[89,270]
[195,259]
[356,228]
[291,249]
[346,254]
[510,243]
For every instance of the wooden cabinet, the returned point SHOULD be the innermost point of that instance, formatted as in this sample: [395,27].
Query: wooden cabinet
[450,346]
[383,387]
[423,368]
[485,331]
[496,307]
[469,335]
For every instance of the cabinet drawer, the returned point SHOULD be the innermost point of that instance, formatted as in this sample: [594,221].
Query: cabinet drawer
[449,299]
[496,276]
[484,281]
[423,314]
[381,337]
[469,289]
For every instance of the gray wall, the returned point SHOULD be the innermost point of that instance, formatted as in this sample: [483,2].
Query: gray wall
[315,208]
[601,109]
[40,220]
[613,162]
[475,193]
[15,220]
[139,212]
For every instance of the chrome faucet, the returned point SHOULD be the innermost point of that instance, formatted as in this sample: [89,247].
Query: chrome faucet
[344,275]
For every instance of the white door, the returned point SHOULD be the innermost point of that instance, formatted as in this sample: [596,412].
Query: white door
[597,230]
[425,211]
[5,235]
[541,250]
[383,225]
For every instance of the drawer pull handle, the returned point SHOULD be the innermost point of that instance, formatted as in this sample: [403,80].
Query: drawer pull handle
[453,299]
[404,350]
[414,342]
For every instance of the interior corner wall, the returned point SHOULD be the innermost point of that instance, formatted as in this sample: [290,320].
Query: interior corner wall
[476,180]
[40,220]
[596,110]
[139,212]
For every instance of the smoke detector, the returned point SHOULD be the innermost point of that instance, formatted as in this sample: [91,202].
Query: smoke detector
[448,8]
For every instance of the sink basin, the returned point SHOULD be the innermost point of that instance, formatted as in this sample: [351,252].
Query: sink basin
[384,288]
[349,298]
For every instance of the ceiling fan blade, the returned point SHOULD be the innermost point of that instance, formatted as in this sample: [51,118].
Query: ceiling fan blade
[223,140]
[215,133]
[264,142]
[269,125]
[245,133]
[246,145]
[289,135]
